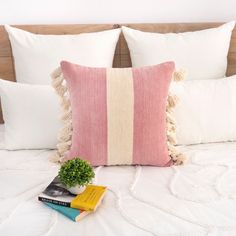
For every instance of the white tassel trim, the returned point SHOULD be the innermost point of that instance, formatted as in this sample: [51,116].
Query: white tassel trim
[179,75]
[177,157]
[65,134]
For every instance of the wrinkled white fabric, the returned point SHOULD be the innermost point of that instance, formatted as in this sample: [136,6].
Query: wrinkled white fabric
[196,199]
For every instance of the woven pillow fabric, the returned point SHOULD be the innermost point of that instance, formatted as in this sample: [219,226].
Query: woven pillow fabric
[117,116]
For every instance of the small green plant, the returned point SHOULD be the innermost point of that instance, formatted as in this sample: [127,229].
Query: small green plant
[76,172]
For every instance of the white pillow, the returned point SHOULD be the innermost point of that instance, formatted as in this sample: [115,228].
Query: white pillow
[202,53]
[36,56]
[31,115]
[206,111]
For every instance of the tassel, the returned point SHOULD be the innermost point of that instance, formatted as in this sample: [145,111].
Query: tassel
[179,75]
[55,157]
[172,101]
[177,157]
[65,104]
[56,73]
[172,139]
[65,133]
[66,116]
[61,90]
[63,147]
[170,119]
[171,128]
[180,160]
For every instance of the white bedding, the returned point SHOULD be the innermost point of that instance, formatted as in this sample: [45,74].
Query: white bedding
[196,199]
[2,129]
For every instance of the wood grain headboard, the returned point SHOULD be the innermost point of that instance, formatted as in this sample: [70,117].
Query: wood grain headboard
[122,58]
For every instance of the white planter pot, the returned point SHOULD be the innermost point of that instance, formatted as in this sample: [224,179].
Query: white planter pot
[77,189]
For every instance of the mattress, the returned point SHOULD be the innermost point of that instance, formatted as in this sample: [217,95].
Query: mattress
[196,199]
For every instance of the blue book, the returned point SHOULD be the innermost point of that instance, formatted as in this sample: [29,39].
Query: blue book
[71,213]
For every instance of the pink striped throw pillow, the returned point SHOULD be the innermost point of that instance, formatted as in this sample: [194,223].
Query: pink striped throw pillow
[117,116]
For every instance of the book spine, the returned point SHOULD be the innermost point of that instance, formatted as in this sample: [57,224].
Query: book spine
[83,206]
[60,203]
[63,212]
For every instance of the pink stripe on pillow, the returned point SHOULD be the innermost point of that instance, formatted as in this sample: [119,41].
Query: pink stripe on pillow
[89,112]
[119,115]
[150,95]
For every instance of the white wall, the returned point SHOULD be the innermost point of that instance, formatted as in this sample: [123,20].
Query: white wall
[114,11]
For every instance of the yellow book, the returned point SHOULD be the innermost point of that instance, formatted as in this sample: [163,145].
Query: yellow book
[90,199]
[58,194]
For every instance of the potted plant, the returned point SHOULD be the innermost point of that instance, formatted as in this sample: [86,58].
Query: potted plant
[76,174]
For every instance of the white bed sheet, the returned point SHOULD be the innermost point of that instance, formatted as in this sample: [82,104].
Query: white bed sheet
[2,128]
[196,199]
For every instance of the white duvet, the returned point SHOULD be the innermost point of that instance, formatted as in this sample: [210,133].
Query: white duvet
[196,199]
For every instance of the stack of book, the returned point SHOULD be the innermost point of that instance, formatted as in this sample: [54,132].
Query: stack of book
[72,206]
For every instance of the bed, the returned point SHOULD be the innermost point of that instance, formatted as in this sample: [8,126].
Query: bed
[198,198]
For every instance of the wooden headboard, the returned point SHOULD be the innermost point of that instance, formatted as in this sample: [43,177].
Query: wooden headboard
[122,58]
